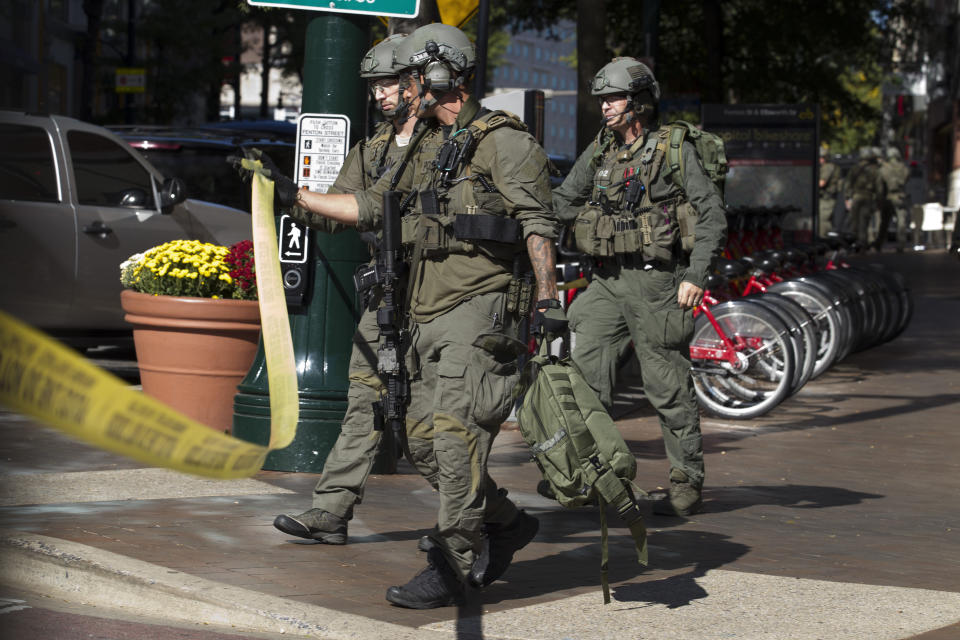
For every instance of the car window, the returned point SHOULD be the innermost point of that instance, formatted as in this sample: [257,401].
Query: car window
[204,171]
[104,170]
[27,169]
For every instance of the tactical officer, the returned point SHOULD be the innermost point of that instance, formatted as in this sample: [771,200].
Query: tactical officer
[477,190]
[628,207]
[348,465]
[829,190]
[894,174]
[865,190]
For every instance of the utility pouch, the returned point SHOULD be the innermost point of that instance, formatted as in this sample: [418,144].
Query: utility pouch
[430,202]
[431,234]
[687,218]
[585,230]
[606,230]
[661,227]
[408,229]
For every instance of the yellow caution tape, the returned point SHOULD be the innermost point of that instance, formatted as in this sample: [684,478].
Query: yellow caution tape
[44,379]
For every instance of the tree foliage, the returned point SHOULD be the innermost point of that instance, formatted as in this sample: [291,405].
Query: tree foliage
[787,51]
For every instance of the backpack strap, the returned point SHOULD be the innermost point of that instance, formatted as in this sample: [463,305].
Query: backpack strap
[674,158]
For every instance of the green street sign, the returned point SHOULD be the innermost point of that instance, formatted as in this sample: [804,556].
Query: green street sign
[390,8]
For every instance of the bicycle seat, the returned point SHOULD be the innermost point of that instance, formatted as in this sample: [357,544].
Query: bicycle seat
[796,256]
[716,281]
[730,268]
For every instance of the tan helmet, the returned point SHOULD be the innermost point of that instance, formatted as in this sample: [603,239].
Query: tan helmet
[378,62]
[442,53]
[625,75]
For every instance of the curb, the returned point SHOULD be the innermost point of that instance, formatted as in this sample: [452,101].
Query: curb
[84,574]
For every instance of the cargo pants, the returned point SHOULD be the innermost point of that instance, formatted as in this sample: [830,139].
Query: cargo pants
[464,369]
[641,304]
[349,462]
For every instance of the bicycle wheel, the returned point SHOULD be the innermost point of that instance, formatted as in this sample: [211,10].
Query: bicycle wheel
[798,343]
[827,318]
[805,330]
[746,369]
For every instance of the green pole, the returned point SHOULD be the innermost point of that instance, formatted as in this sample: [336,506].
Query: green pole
[323,329]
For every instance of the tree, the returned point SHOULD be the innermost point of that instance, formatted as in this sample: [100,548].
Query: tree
[755,51]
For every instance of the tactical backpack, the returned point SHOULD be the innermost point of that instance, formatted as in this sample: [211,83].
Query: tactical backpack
[713,157]
[578,448]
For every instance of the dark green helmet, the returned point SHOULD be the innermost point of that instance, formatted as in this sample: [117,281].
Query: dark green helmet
[625,75]
[378,63]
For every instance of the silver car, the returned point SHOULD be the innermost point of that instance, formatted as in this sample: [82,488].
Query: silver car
[75,202]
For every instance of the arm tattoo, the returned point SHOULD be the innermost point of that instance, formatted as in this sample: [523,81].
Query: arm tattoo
[544,262]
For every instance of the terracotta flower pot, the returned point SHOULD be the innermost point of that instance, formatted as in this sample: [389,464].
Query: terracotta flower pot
[193,352]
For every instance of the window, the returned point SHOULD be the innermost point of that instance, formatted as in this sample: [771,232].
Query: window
[104,170]
[27,168]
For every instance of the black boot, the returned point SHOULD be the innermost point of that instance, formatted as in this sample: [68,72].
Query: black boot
[435,586]
[500,545]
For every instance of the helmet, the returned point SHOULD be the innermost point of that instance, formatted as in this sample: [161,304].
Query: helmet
[893,153]
[625,75]
[442,53]
[378,63]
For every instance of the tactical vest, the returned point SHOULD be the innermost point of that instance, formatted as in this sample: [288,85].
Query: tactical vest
[462,211]
[620,217]
[374,151]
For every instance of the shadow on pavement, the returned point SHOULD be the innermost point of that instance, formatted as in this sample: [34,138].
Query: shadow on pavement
[722,499]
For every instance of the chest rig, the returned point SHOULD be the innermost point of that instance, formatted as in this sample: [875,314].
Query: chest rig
[462,211]
[621,217]
[375,152]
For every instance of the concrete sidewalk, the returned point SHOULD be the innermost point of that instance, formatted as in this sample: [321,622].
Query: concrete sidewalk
[835,516]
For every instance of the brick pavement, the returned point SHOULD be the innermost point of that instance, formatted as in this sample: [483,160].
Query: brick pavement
[853,480]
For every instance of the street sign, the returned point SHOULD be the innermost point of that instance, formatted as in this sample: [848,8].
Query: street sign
[131,80]
[322,141]
[457,12]
[391,8]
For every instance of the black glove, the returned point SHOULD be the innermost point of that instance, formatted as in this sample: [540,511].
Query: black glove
[549,319]
[284,188]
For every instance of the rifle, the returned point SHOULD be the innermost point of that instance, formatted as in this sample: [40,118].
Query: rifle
[386,273]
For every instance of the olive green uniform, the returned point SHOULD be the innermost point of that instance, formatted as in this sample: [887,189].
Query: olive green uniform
[348,465]
[830,175]
[639,267]
[463,342]
[866,190]
[894,175]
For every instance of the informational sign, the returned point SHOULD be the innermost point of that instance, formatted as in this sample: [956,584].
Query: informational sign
[773,154]
[457,12]
[390,8]
[293,241]
[131,80]
[322,141]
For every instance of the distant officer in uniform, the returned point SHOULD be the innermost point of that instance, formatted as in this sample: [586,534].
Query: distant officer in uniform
[348,465]
[478,195]
[829,190]
[894,174]
[865,190]
[626,207]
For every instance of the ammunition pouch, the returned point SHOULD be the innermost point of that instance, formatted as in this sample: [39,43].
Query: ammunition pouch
[520,297]
[687,217]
